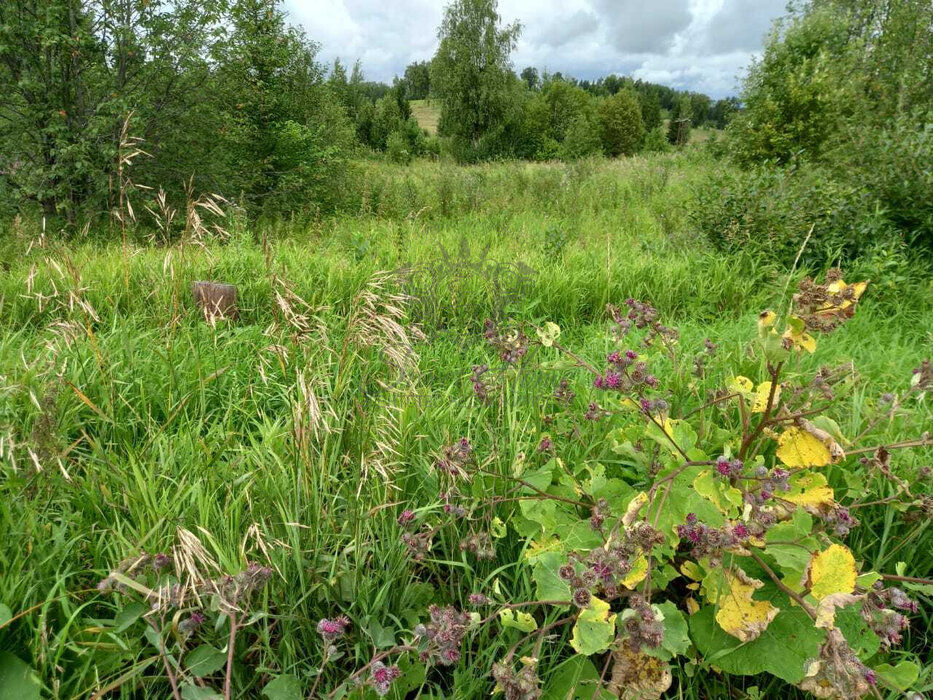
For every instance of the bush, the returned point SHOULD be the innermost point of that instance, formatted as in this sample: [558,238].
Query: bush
[582,139]
[769,212]
[621,128]
[656,140]
[398,148]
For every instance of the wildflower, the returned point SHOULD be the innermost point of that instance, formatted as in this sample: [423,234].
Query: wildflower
[332,630]
[406,517]
[523,685]
[382,677]
[643,627]
[191,623]
[444,632]
[546,445]
[478,599]
[581,597]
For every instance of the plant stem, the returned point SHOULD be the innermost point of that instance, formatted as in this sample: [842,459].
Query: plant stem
[228,680]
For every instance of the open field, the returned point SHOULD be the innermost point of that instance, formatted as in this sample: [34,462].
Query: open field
[296,435]
[427,112]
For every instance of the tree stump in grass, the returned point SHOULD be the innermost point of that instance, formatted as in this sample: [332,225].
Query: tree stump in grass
[216,301]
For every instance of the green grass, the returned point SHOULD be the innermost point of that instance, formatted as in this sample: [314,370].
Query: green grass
[125,419]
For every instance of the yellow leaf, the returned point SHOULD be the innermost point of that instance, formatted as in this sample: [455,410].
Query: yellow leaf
[637,573]
[692,606]
[765,321]
[831,571]
[634,507]
[519,620]
[594,629]
[739,614]
[691,570]
[798,448]
[760,402]
[808,489]
[740,385]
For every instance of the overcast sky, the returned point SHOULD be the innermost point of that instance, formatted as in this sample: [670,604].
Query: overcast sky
[700,45]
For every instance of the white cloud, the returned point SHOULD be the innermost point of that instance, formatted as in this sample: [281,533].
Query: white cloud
[699,45]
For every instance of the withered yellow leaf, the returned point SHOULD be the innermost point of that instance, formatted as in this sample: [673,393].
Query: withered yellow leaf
[740,385]
[760,402]
[831,571]
[798,448]
[738,613]
[634,508]
[637,573]
[826,611]
[808,489]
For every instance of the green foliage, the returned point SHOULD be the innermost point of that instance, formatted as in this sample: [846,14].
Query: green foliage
[398,148]
[678,128]
[470,74]
[866,200]
[418,80]
[620,124]
[796,96]
[310,469]
[285,137]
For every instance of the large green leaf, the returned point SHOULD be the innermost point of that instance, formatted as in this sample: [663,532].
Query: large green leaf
[676,636]
[781,650]
[285,687]
[205,660]
[575,679]
[595,628]
[548,585]
[17,679]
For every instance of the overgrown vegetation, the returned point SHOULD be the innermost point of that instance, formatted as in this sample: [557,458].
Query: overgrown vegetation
[550,402]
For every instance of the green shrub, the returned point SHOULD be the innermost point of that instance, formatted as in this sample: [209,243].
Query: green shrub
[398,148]
[656,140]
[582,139]
[621,128]
[769,212]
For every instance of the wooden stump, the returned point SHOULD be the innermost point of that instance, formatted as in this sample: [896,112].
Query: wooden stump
[217,301]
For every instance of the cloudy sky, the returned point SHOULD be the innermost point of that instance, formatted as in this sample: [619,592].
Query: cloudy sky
[699,45]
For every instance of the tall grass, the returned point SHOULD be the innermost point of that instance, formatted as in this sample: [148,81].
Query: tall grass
[296,435]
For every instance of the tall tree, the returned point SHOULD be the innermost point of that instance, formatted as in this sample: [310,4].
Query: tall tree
[621,125]
[418,80]
[530,77]
[285,132]
[471,72]
[71,71]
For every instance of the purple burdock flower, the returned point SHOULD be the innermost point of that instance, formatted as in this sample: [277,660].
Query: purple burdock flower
[190,624]
[406,517]
[331,630]
[871,677]
[722,465]
[740,531]
[613,380]
[160,562]
[382,677]
[598,382]
[478,599]
[631,354]
[545,445]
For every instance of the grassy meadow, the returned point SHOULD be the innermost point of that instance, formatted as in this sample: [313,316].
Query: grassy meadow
[295,435]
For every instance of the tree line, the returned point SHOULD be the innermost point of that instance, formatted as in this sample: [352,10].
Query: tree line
[224,96]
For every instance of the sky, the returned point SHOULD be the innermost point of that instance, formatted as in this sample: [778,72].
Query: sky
[701,45]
